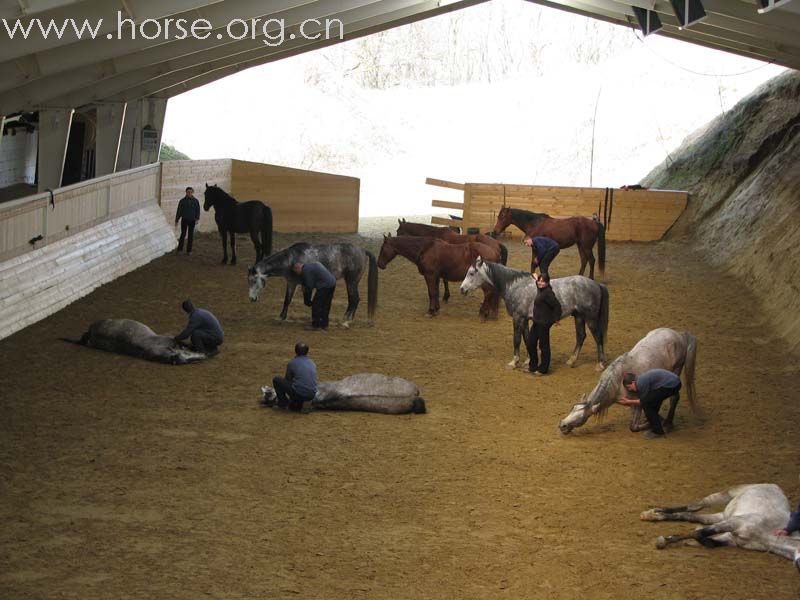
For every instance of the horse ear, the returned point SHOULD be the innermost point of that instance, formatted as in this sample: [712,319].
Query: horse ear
[206,185]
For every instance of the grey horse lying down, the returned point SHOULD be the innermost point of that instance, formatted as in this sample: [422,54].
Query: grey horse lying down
[752,512]
[125,336]
[369,392]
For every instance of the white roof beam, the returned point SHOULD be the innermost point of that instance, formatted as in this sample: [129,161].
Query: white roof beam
[153,62]
[14,9]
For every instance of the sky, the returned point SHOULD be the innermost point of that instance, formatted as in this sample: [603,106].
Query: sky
[527,126]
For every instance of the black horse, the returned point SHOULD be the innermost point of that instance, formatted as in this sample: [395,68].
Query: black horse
[253,217]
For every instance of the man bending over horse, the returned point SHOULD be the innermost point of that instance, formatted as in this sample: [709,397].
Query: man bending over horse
[652,387]
[203,328]
[298,388]
[316,277]
[189,215]
[544,250]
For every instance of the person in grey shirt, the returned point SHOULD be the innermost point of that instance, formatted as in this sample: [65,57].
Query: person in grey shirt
[315,276]
[297,389]
[652,388]
[203,328]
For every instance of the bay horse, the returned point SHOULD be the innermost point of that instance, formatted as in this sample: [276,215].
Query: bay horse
[587,301]
[437,260]
[662,348]
[232,217]
[344,261]
[448,235]
[582,231]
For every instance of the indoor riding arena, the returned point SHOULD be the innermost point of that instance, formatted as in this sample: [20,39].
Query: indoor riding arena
[129,478]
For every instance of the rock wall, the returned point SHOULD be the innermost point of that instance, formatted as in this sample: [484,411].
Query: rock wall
[743,173]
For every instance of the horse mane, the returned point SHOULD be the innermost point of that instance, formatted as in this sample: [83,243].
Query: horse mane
[528,215]
[221,195]
[602,391]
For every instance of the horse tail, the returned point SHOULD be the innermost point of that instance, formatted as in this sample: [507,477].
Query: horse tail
[604,306]
[503,254]
[689,369]
[601,247]
[83,341]
[372,285]
[266,231]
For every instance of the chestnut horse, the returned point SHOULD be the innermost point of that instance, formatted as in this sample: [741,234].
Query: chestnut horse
[448,235]
[437,260]
[582,231]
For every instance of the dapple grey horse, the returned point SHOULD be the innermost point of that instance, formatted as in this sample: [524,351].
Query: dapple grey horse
[345,261]
[661,348]
[125,336]
[368,392]
[583,298]
[752,512]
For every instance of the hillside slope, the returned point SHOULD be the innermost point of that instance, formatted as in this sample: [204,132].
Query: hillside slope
[743,173]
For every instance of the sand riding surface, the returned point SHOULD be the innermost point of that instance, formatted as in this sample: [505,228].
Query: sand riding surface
[121,478]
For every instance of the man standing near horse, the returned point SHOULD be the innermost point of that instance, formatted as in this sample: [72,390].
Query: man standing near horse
[203,328]
[298,388]
[189,215]
[544,250]
[317,279]
[546,312]
[652,388]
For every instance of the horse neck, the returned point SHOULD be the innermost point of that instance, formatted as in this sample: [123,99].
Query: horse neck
[224,200]
[502,277]
[606,391]
[276,263]
[409,246]
[521,218]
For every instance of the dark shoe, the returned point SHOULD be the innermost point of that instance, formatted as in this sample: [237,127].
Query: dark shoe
[538,373]
[306,408]
[652,435]
[211,353]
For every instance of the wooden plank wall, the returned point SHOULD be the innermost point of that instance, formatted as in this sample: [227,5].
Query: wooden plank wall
[40,282]
[301,201]
[636,215]
[177,175]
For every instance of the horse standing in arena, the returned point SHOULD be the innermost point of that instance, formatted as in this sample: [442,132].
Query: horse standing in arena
[752,512]
[344,261]
[661,348]
[232,217]
[448,235]
[582,231]
[437,260]
[586,300]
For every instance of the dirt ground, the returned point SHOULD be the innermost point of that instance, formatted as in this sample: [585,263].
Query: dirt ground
[121,478]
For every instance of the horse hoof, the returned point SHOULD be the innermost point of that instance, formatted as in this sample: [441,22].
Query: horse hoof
[512,365]
[652,515]
[571,363]
[600,367]
[661,542]
[346,324]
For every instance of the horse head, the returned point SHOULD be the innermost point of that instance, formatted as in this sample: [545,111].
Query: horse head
[388,251]
[268,396]
[477,275]
[503,220]
[402,227]
[209,196]
[257,281]
[579,414]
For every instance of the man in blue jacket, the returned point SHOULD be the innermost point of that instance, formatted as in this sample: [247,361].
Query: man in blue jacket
[298,388]
[652,388]
[315,276]
[189,215]
[544,250]
[203,328]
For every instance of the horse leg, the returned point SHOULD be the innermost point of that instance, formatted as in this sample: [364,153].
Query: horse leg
[446,296]
[656,514]
[518,328]
[584,259]
[233,248]
[704,535]
[638,421]
[287,299]
[590,255]
[257,244]
[526,331]
[715,499]
[353,298]
[594,328]
[673,404]
[580,337]
[224,235]
[433,294]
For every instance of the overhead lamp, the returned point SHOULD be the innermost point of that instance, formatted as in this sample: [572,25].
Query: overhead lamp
[688,12]
[768,5]
[649,21]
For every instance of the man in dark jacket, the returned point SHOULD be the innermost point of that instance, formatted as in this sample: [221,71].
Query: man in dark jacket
[652,388]
[546,312]
[203,328]
[298,388]
[189,214]
[543,250]
[315,276]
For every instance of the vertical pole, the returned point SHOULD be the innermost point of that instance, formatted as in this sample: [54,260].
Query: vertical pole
[54,126]
[594,121]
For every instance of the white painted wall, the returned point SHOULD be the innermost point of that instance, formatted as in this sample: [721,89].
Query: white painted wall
[18,158]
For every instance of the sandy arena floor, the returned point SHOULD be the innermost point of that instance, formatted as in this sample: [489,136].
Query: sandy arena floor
[121,478]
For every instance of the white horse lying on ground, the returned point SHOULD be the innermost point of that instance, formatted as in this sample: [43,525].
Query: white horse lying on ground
[752,512]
